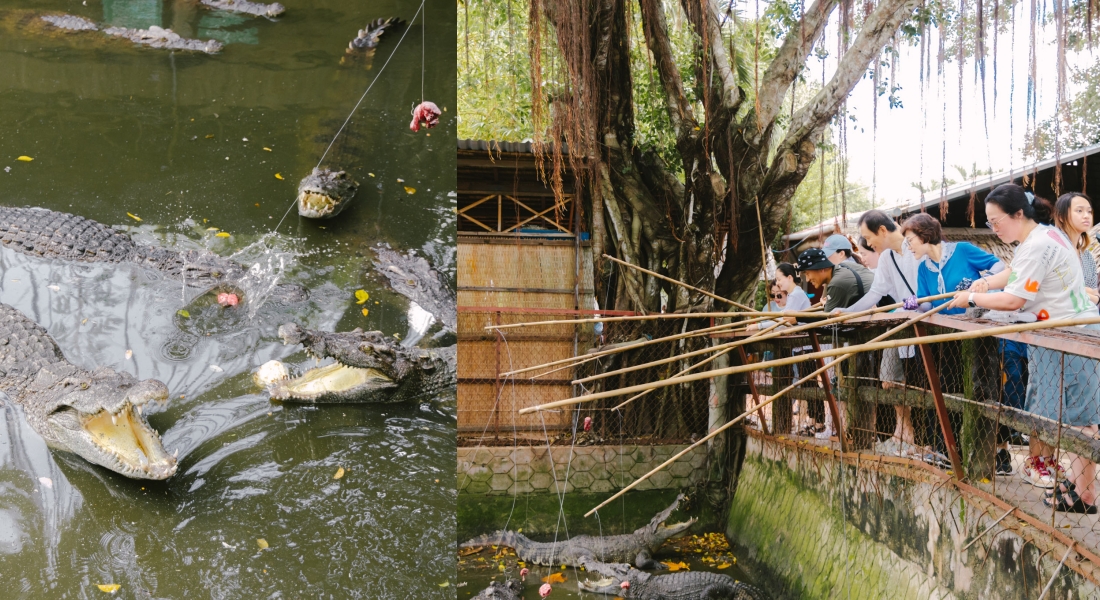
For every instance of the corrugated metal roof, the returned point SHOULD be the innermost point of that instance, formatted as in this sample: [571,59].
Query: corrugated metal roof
[524,147]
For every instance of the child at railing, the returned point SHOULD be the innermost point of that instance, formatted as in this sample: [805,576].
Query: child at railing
[1046,281]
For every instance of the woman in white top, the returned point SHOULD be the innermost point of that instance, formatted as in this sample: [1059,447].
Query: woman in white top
[786,279]
[1046,281]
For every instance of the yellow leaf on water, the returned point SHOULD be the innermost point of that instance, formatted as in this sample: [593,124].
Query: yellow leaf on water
[409,190]
[339,473]
[366,312]
[209,136]
[266,148]
[554,578]
[183,313]
[361,296]
[500,567]
[25,158]
[676,566]
[279,176]
[262,543]
[110,588]
[724,565]
[221,234]
[445,584]
[134,217]
[371,174]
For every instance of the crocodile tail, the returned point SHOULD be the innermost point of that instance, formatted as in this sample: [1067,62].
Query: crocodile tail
[368,38]
[499,538]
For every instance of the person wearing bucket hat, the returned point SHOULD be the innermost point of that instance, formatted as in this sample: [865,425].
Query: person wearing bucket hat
[844,283]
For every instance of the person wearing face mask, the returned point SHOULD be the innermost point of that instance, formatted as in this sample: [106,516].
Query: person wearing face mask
[1045,282]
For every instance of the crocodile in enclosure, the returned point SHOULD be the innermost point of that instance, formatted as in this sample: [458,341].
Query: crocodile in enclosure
[371,367]
[625,582]
[510,589]
[95,414]
[369,37]
[255,9]
[51,234]
[154,36]
[637,547]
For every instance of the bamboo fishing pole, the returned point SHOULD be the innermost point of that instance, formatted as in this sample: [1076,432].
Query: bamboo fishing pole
[919,341]
[679,283]
[756,408]
[809,314]
[576,360]
[701,363]
[838,319]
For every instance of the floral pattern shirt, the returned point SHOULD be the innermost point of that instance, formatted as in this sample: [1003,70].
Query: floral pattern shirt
[1046,273]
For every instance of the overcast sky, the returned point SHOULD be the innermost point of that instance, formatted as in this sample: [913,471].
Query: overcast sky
[909,144]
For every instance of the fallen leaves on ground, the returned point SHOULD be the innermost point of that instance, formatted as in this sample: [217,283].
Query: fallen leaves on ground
[339,473]
[676,566]
[110,588]
[554,578]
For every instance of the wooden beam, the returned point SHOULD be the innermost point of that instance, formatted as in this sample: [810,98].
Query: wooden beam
[941,408]
[830,399]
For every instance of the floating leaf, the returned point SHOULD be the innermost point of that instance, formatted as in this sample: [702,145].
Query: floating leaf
[134,217]
[361,296]
[410,190]
[279,176]
[399,180]
[183,313]
[676,566]
[554,578]
[501,567]
[724,565]
[339,473]
[262,543]
[210,136]
[371,174]
[129,354]
[366,312]
[221,234]
[110,588]
[25,158]
[445,584]
[266,148]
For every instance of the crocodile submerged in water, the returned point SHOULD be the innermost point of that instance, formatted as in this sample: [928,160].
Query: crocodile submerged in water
[625,582]
[255,9]
[154,36]
[371,367]
[637,547]
[511,589]
[50,234]
[94,414]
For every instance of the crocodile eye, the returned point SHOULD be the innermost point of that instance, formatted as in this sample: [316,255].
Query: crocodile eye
[83,385]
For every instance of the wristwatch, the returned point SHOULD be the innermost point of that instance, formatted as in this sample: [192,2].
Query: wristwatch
[970,301]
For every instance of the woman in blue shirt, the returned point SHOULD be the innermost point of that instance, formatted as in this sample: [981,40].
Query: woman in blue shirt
[943,265]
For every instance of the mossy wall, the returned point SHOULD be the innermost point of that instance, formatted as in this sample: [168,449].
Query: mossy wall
[824,529]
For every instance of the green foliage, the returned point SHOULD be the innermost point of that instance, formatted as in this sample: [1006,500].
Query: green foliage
[1079,126]
[818,199]
[494,83]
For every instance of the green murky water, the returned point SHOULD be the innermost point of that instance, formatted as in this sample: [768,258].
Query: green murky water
[179,140]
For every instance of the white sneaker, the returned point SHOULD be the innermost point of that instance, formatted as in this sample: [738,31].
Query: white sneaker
[1035,472]
[824,435]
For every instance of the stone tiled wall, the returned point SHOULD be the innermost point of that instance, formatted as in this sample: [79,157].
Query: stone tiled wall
[595,469]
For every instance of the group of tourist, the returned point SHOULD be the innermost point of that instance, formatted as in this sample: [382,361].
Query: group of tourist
[1052,275]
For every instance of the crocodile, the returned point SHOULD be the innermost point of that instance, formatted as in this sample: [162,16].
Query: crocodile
[51,234]
[97,415]
[625,582]
[370,366]
[369,37]
[325,193]
[255,9]
[637,547]
[154,36]
[511,589]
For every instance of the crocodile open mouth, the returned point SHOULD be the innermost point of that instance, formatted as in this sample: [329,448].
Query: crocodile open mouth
[316,204]
[128,444]
[330,383]
[599,585]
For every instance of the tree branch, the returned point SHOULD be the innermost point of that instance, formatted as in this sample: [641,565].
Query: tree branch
[656,37]
[790,60]
[877,30]
[728,93]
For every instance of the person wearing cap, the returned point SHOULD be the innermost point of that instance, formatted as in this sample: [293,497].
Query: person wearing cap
[844,282]
[838,249]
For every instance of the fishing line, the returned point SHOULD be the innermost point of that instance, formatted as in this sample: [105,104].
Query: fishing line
[363,97]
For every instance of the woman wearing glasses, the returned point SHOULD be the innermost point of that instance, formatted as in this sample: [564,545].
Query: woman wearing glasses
[1045,282]
[785,288]
[944,265]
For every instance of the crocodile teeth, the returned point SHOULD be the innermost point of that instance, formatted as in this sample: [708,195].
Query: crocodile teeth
[139,409]
[114,419]
[176,454]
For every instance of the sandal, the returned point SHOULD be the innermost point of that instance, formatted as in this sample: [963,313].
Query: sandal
[1069,502]
[1063,487]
